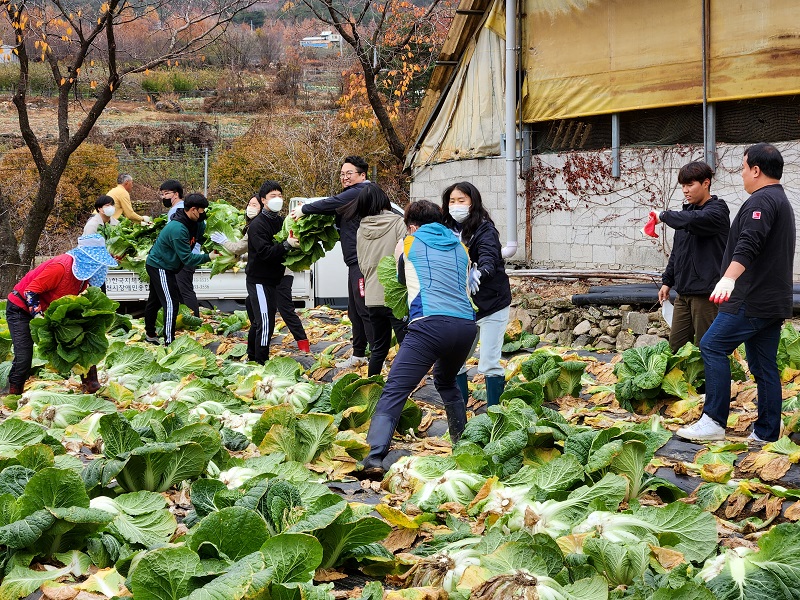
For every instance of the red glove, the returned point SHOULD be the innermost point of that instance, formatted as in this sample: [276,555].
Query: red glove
[650,227]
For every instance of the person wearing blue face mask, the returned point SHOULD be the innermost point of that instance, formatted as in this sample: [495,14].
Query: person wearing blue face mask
[489,287]
[171,252]
[67,274]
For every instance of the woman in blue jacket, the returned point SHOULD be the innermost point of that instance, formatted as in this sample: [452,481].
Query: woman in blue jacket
[434,266]
[464,213]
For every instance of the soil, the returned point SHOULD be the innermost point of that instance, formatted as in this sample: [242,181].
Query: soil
[119,113]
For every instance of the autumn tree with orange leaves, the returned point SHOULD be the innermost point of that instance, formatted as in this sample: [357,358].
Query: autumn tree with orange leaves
[98,46]
[395,44]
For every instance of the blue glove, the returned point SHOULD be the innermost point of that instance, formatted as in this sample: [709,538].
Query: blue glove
[474,282]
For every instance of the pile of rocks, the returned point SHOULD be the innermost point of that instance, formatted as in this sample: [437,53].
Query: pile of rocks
[618,328]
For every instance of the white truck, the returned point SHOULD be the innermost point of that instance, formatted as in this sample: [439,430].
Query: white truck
[324,283]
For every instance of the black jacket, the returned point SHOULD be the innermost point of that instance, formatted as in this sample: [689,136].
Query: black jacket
[264,255]
[701,233]
[347,229]
[485,251]
[762,239]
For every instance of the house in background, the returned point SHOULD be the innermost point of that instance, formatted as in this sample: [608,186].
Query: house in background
[325,40]
[614,97]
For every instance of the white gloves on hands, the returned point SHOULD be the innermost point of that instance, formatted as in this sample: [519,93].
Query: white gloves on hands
[723,290]
[213,254]
[219,237]
[292,241]
[297,212]
[147,220]
[474,282]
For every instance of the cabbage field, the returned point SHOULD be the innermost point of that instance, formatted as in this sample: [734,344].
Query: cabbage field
[193,474]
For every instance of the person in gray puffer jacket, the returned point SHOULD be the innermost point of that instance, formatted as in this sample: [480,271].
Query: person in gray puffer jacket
[377,236]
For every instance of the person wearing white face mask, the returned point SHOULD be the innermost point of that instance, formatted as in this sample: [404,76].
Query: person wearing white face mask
[489,287]
[283,290]
[265,269]
[103,214]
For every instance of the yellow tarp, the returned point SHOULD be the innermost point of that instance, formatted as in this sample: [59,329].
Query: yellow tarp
[607,56]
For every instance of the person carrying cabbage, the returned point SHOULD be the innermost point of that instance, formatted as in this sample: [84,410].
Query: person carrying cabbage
[283,291]
[434,265]
[63,275]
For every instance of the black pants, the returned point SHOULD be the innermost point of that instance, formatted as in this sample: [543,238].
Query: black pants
[19,326]
[443,342]
[261,307]
[185,280]
[164,293]
[382,321]
[283,296]
[357,310]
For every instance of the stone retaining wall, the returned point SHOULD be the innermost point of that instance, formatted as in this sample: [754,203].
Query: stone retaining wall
[618,328]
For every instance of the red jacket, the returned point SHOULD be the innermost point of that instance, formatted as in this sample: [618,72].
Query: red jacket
[51,280]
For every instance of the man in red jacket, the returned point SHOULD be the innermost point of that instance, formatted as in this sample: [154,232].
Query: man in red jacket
[63,275]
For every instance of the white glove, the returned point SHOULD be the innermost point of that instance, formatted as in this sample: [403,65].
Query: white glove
[297,212]
[292,241]
[723,290]
[219,237]
[474,280]
[213,254]
[146,219]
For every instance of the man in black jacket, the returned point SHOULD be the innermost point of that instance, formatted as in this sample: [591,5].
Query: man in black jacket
[264,270]
[701,231]
[354,178]
[755,296]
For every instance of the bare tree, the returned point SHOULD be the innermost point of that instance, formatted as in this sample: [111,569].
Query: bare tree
[386,36]
[87,44]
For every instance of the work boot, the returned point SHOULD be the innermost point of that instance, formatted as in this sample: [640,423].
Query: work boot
[16,388]
[461,381]
[456,420]
[379,438]
[495,384]
[89,381]
[303,346]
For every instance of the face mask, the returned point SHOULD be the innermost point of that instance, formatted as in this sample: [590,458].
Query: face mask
[203,216]
[275,204]
[459,213]
[166,202]
[252,212]
[109,210]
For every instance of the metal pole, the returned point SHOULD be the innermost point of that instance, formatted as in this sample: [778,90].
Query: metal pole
[205,172]
[510,249]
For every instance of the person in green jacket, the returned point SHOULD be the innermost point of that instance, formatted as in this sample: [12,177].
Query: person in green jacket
[171,252]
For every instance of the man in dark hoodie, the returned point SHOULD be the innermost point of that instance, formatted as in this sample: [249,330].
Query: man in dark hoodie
[265,270]
[171,252]
[354,178]
[701,232]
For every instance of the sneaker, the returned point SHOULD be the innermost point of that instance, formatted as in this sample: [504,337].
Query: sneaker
[152,340]
[754,438]
[353,361]
[705,430]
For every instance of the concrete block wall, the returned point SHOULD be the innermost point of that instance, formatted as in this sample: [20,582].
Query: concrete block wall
[604,231]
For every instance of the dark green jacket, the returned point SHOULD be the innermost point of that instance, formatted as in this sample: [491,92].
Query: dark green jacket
[173,248]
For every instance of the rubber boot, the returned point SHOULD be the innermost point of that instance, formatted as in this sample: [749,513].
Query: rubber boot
[16,388]
[379,438]
[304,346]
[461,381]
[89,381]
[456,420]
[495,384]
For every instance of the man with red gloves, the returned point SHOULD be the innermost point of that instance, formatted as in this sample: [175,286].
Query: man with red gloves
[755,296]
[701,230]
